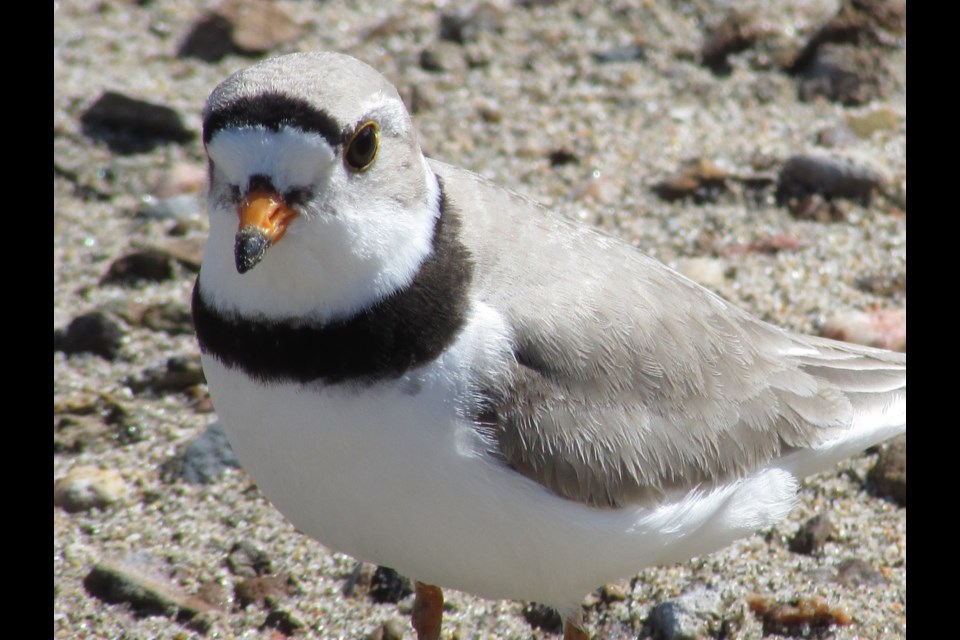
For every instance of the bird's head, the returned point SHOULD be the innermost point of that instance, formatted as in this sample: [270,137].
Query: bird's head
[320,200]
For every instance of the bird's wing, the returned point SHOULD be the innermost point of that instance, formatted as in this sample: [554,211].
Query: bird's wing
[631,381]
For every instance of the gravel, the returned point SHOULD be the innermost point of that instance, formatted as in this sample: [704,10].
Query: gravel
[522,85]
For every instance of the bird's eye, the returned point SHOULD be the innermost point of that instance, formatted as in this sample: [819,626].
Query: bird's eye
[362,149]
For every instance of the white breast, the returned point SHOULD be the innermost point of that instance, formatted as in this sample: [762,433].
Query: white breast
[394,474]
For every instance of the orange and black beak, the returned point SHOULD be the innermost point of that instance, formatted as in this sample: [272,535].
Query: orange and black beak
[264,218]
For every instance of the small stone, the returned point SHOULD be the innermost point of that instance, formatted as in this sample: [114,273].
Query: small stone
[838,136]
[147,265]
[388,586]
[442,56]
[880,328]
[180,373]
[92,332]
[800,617]
[614,592]
[695,614]
[625,53]
[562,156]
[130,125]
[846,74]
[879,119]
[87,487]
[698,179]
[203,460]
[465,24]
[540,616]
[889,475]
[709,272]
[813,534]
[737,32]
[262,591]
[855,573]
[247,560]
[832,176]
[79,433]
[249,27]
[178,207]
[128,582]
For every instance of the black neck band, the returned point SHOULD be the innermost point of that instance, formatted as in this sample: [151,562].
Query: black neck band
[408,329]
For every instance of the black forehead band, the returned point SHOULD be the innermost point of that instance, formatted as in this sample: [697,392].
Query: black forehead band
[273,111]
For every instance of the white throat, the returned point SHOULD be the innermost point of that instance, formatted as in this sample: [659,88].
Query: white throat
[349,247]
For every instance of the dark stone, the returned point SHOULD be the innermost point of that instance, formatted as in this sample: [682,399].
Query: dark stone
[389,586]
[92,332]
[540,616]
[129,125]
[126,582]
[147,265]
[813,534]
[889,475]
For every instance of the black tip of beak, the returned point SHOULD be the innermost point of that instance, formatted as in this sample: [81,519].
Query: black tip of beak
[250,247]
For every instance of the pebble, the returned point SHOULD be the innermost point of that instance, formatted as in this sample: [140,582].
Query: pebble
[813,534]
[889,475]
[387,585]
[540,616]
[145,265]
[831,176]
[184,206]
[93,332]
[465,24]
[249,27]
[845,74]
[134,581]
[695,614]
[880,328]
[203,460]
[799,617]
[179,374]
[737,32]
[709,272]
[87,487]
[854,573]
[131,125]
[698,179]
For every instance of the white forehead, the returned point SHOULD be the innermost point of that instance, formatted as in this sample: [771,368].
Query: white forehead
[292,158]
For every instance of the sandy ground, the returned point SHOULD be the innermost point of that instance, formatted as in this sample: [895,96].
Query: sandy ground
[505,101]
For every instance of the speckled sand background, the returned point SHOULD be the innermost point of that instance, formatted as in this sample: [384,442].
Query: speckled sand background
[531,101]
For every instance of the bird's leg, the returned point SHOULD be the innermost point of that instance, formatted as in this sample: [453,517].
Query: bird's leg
[573,627]
[427,611]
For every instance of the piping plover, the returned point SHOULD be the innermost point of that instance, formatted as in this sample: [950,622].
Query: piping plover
[429,372]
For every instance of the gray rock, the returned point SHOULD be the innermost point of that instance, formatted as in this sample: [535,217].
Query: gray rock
[692,616]
[203,460]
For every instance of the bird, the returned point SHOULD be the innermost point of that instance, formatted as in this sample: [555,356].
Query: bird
[427,371]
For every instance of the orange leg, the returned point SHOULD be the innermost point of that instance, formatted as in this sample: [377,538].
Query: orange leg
[427,611]
[573,627]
